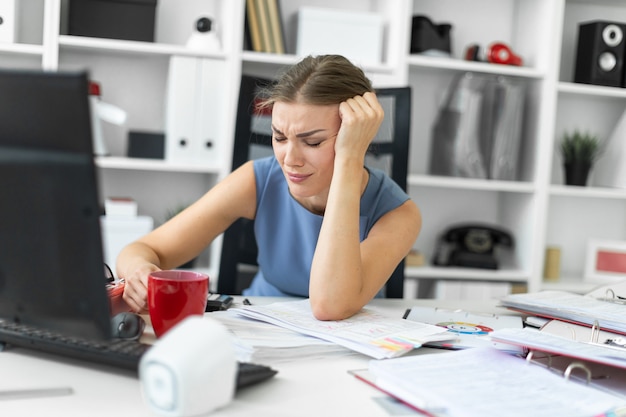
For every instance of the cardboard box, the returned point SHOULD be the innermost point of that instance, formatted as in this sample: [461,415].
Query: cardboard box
[114,19]
[356,35]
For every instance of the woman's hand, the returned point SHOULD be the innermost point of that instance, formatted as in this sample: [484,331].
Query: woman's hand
[361,117]
[136,287]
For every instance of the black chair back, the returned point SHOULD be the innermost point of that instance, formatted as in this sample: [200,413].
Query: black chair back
[389,151]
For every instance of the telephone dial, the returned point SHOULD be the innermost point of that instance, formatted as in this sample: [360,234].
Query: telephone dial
[471,245]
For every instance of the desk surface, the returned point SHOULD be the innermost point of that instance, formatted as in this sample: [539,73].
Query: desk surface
[315,387]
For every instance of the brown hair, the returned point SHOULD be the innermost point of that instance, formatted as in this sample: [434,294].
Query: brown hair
[318,80]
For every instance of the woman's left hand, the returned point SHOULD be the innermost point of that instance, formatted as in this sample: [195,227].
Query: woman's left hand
[361,117]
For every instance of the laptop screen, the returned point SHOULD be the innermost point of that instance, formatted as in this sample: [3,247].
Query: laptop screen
[51,262]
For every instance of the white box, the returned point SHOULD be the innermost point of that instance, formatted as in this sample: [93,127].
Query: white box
[356,35]
[118,232]
[120,207]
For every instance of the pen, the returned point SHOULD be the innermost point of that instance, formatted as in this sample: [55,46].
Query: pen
[246,302]
[34,393]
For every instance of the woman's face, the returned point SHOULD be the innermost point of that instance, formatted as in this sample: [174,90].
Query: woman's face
[304,145]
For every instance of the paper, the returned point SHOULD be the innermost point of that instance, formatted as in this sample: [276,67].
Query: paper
[573,307]
[469,330]
[367,332]
[487,382]
[257,341]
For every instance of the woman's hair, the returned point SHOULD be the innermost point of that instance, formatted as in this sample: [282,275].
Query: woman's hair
[318,80]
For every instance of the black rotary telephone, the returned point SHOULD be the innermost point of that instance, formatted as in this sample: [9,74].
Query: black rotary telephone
[471,245]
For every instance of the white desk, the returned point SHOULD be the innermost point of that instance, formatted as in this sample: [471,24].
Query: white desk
[317,387]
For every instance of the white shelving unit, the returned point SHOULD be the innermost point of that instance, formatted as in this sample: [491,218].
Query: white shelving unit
[537,208]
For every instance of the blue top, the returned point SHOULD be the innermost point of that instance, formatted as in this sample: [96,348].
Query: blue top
[287,233]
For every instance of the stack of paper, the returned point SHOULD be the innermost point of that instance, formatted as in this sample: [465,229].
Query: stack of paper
[367,332]
[487,382]
[257,341]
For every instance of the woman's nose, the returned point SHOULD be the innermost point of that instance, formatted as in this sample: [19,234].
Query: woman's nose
[293,155]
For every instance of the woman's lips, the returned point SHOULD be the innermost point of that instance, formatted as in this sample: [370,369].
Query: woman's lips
[297,178]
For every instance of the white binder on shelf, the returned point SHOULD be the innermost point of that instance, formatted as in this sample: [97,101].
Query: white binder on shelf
[193,110]
[8,27]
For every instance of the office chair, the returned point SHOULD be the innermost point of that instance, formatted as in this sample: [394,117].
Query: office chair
[389,151]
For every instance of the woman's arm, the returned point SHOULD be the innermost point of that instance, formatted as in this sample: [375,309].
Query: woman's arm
[184,236]
[346,273]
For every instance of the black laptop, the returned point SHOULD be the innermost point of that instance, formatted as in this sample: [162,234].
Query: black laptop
[53,294]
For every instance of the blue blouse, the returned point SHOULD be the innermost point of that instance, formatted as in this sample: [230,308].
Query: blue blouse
[287,233]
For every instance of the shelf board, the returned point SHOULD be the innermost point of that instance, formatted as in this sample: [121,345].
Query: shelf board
[423,61]
[591,90]
[471,274]
[470,183]
[570,284]
[291,59]
[133,47]
[21,49]
[587,192]
[141,164]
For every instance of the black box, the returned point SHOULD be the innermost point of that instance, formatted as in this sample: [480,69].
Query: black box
[146,145]
[116,19]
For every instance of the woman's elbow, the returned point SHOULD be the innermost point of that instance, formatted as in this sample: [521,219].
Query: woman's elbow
[328,310]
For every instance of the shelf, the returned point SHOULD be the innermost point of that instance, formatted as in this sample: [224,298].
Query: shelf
[452,273]
[85,43]
[587,192]
[421,61]
[470,183]
[570,284]
[280,60]
[116,162]
[21,49]
[591,90]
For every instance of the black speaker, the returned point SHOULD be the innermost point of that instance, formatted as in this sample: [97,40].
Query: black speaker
[600,54]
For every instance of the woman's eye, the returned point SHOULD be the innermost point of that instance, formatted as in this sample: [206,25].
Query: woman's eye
[279,139]
[314,144]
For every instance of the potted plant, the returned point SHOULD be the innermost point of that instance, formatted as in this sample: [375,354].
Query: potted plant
[579,151]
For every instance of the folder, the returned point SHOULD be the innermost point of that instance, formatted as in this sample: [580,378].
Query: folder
[486,382]
[608,311]
[194,110]
[591,359]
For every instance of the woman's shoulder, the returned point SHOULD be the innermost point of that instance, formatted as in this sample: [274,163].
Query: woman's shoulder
[381,181]
[265,165]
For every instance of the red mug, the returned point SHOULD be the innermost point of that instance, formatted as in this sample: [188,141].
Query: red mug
[174,295]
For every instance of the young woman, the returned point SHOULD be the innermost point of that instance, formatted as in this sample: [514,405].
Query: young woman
[327,227]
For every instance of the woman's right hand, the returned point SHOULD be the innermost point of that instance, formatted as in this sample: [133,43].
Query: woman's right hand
[136,287]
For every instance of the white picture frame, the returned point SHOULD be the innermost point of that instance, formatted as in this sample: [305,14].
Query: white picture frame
[605,261]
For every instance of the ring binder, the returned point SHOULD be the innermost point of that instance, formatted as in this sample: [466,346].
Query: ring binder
[581,309]
[577,365]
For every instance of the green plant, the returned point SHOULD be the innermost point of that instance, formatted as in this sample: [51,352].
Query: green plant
[175,210]
[580,147]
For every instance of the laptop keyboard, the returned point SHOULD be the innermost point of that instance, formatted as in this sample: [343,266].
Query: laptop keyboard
[119,353]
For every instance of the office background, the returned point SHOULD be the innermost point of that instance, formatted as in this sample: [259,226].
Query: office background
[536,207]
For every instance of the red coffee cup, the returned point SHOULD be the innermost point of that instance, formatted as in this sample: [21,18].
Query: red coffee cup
[174,295]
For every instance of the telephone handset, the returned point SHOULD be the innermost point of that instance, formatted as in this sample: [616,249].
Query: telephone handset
[471,245]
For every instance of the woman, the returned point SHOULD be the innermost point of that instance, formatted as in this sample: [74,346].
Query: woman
[327,227]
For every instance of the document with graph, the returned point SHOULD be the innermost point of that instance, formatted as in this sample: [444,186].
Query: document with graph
[367,332]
